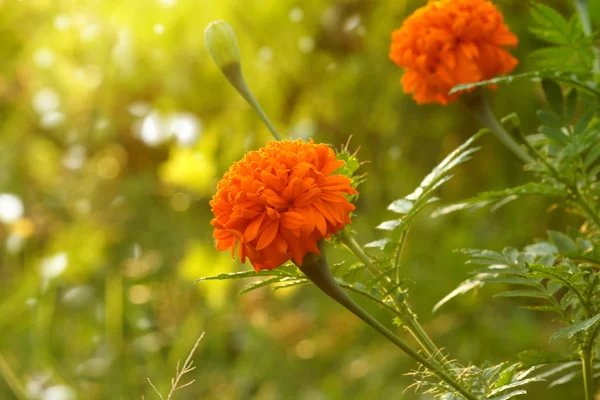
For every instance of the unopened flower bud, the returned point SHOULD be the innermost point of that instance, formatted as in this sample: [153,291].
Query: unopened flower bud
[222,44]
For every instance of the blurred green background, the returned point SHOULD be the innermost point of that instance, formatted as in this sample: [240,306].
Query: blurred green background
[115,127]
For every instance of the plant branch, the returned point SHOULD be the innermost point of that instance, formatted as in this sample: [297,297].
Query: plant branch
[316,269]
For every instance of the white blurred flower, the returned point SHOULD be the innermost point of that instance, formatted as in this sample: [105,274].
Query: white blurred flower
[157,129]
[52,119]
[51,267]
[59,392]
[153,131]
[185,127]
[11,208]
[44,58]
[306,44]
[45,100]
[75,157]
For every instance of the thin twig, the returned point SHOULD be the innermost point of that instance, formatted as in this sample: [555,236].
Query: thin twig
[188,366]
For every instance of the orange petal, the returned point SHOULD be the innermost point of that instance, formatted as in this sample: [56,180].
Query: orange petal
[268,235]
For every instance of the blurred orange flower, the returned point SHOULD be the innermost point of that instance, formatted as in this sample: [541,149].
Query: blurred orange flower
[277,202]
[448,42]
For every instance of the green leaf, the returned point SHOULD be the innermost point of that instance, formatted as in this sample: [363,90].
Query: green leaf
[508,396]
[290,283]
[514,280]
[569,78]
[571,106]
[563,242]
[564,379]
[514,385]
[522,293]
[583,122]
[401,206]
[592,155]
[483,199]
[389,225]
[244,274]
[380,244]
[554,133]
[463,288]
[534,357]
[541,308]
[554,96]
[256,285]
[550,25]
[541,248]
[549,118]
[571,330]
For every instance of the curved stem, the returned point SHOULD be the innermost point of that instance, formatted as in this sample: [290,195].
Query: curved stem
[479,108]
[233,73]
[316,269]
[405,314]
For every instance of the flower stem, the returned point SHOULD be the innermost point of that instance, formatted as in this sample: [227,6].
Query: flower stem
[316,269]
[586,364]
[407,316]
[233,73]
[479,108]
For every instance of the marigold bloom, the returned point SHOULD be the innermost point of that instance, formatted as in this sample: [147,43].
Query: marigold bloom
[448,42]
[278,202]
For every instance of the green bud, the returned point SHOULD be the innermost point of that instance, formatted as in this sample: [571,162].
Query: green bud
[222,44]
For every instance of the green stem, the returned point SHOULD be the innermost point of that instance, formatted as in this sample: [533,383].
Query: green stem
[407,316]
[479,108]
[586,365]
[316,269]
[11,380]
[233,73]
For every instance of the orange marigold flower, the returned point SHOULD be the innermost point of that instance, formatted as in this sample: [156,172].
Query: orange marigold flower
[448,42]
[278,202]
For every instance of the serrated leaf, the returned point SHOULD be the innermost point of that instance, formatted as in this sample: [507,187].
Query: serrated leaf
[564,379]
[256,285]
[290,283]
[541,248]
[569,78]
[562,367]
[508,396]
[483,199]
[511,254]
[243,274]
[554,96]
[554,133]
[463,288]
[571,330]
[550,25]
[549,118]
[389,225]
[522,293]
[571,105]
[506,376]
[563,242]
[535,357]
[401,206]
[380,244]
[515,280]
[541,308]
[583,122]
[514,385]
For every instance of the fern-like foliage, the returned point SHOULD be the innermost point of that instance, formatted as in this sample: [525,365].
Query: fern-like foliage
[569,48]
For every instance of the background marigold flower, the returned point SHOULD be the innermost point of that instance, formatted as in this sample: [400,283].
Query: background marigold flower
[448,42]
[278,202]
